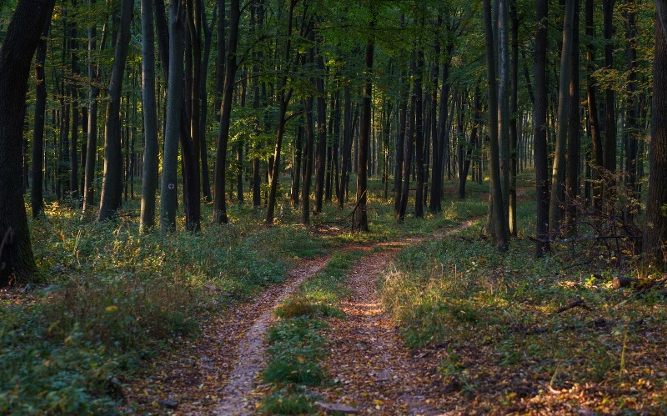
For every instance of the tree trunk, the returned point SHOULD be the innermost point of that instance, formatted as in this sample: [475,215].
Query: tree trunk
[321,149]
[557,199]
[632,129]
[655,231]
[361,216]
[308,161]
[419,136]
[149,110]
[572,167]
[499,223]
[610,110]
[111,198]
[594,124]
[36,195]
[219,202]
[17,263]
[169,180]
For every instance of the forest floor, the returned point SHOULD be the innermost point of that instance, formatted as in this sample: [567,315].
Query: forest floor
[373,370]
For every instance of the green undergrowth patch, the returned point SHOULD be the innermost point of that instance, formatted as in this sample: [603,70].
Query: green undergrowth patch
[511,329]
[298,340]
[110,297]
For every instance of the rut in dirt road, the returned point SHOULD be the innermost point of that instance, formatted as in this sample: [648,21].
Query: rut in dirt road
[251,349]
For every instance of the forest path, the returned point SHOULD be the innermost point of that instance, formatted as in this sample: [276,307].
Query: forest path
[216,373]
[220,364]
[373,370]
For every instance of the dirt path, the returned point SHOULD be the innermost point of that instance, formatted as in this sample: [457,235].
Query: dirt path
[373,371]
[251,349]
[215,374]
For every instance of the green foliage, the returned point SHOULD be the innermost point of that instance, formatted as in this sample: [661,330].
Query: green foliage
[111,296]
[289,400]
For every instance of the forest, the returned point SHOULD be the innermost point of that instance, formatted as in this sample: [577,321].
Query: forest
[331,207]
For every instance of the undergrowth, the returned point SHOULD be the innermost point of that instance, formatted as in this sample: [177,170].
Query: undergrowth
[110,296]
[503,342]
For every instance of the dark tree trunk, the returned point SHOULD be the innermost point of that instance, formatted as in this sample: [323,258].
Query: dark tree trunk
[498,223]
[540,140]
[597,161]
[111,198]
[36,195]
[321,149]
[632,129]
[655,231]
[17,264]
[149,110]
[572,167]
[400,144]
[361,216]
[609,153]
[419,136]
[308,160]
[203,95]
[347,147]
[219,201]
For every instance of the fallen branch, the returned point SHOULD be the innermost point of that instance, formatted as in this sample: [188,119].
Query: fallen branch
[577,303]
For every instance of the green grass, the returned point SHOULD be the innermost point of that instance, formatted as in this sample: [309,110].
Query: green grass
[109,297]
[495,316]
[298,341]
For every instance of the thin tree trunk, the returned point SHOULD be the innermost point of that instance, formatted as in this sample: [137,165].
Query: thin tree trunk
[597,161]
[219,201]
[36,195]
[361,216]
[572,168]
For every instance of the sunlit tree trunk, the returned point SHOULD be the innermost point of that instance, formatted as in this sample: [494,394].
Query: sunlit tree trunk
[361,216]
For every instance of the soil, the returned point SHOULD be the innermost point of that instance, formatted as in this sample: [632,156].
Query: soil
[373,371]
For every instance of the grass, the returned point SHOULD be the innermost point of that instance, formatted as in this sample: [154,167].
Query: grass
[494,318]
[109,298]
[298,341]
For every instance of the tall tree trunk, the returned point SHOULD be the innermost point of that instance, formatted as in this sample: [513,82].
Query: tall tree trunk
[17,263]
[348,131]
[283,100]
[655,231]
[169,180]
[540,140]
[400,143]
[149,110]
[219,202]
[593,121]
[557,199]
[632,129]
[504,87]
[308,160]
[610,109]
[499,223]
[111,198]
[513,115]
[419,136]
[361,216]
[203,95]
[321,149]
[572,167]
[36,195]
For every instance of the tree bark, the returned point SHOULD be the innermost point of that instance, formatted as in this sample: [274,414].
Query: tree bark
[219,197]
[36,195]
[169,180]
[499,223]
[557,198]
[149,110]
[17,263]
[111,198]
[593,119]
[655,231]
[361,216]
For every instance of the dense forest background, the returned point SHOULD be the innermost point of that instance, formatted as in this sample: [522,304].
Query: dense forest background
[163,163]
[215,101]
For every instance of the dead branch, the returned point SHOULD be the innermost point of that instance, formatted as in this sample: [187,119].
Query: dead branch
[577,303]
